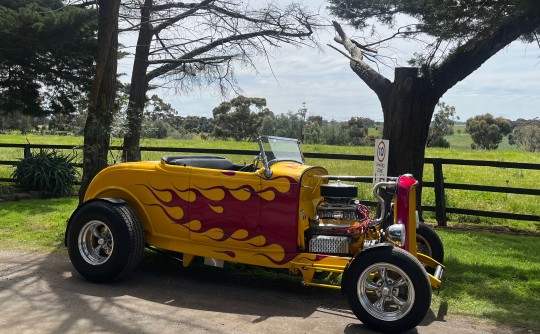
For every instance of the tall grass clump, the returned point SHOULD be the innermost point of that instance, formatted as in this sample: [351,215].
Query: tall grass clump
[48,171]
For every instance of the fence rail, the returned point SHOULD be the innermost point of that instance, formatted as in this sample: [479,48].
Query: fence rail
[438,184]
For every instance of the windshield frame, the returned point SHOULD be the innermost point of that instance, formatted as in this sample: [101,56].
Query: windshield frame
[270,145]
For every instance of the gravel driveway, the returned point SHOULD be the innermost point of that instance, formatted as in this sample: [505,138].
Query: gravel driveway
[40,293]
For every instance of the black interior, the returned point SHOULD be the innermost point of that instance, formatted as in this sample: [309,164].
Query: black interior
[204,161]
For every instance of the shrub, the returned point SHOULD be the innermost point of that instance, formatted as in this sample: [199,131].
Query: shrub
[487,131]
[440,142]
[442,125]
[47,171]
[526,136]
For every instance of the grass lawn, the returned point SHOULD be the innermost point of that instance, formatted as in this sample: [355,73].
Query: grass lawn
[489,276]
[499,202]
[36,225]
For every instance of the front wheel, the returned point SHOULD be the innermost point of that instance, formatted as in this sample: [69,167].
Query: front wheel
[429,243]
[105,240]
[388,289]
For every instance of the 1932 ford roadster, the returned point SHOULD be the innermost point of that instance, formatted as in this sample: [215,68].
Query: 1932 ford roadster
[276,212]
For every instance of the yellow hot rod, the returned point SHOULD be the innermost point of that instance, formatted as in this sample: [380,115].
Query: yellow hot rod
[277,212]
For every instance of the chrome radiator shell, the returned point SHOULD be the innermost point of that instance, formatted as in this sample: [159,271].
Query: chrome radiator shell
[327,244]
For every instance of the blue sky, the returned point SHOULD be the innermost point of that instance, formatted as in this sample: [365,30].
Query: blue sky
[506,85]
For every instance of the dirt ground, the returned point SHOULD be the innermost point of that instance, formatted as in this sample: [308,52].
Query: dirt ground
[41,293]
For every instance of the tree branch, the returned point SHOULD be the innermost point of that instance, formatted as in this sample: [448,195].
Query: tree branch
[279,35]
[376,81]
[187,13]
[205,60]
[468,57]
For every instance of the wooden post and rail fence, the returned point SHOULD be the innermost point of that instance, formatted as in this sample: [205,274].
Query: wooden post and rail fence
[439,185]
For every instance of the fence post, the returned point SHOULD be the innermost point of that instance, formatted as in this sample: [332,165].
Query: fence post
[440,200]
[27,153]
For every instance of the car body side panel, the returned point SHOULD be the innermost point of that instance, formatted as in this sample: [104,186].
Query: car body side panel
[160,196]
[226,207]
[280,212]
[234,216]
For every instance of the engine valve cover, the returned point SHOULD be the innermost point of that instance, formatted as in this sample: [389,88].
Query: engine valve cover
[337,212]
[339,190]
[334,213]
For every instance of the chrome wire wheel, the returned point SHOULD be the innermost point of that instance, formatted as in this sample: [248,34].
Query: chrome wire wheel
[385,291]
[95,242]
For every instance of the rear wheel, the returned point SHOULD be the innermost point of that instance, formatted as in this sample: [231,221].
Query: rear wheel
[388,289]
[105,241]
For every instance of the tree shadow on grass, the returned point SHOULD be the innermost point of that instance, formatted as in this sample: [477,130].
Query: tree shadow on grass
[511,293]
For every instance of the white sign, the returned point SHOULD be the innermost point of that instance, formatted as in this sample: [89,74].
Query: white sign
[380,160]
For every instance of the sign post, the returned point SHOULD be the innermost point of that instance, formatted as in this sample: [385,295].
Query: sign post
[380,160]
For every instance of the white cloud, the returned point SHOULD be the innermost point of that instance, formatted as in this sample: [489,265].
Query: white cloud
[506,85]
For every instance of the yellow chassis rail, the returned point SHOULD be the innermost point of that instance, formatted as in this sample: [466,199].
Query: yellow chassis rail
[337,265]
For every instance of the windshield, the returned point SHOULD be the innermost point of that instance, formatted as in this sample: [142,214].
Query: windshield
[279,149]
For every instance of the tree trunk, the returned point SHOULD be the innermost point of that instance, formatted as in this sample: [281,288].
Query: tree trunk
[409,102]
[102,94]
[139,86]
[407,115]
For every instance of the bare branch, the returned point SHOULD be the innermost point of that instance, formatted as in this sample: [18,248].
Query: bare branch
[343,53]
[204,60]
[212,36]
[278,35]
[343,39]
[183,15]
[376,81]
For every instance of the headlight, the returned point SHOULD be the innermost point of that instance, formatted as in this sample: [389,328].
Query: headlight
[396,234]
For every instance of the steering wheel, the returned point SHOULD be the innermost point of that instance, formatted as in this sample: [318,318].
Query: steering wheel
[252,167]
[256,162]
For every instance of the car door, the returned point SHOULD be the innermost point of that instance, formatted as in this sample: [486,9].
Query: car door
[225,208]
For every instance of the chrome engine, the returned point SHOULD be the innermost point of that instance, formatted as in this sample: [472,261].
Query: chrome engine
[337,221]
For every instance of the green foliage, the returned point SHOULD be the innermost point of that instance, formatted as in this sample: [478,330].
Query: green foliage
[448,21]
[236,120]
[315,130]
[19,122]
[357,131]
[439,142]
[526,135]
[46,62]
[156,129]
[353,132]
[47,171]
[486,131]
[290,125]
[442,125]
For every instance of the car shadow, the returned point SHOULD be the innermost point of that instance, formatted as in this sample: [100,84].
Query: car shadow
[239,289]
[63,301]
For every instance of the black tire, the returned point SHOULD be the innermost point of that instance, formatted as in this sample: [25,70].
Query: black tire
[429,243]
[406,282]
[105,241]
